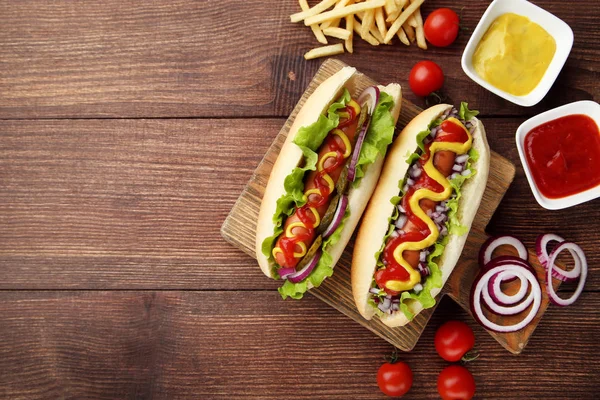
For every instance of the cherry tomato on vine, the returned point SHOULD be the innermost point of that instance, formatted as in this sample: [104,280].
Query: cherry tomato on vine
[394,379]
[425,77]
[441,27]
[456,383]
[453,340]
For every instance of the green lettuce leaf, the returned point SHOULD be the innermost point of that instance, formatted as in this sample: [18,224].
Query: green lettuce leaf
[379,136]
[465,114]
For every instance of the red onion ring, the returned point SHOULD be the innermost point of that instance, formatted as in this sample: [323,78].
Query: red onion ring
[304,272]
[338,216]
[485,254]
[501,303]
[505,260]
[285,272]
[541,245]
[578,255]
[370,96]
[481,284]
[499,296]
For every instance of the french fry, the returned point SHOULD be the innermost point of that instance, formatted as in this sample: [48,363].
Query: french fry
[369,38]
[372,29]
[419,30]
[400,4]
[315,28]
[411,20]
[410,32]
[344,11]
[337,33]
[336,22]
[317,9]
[324,51]
[390,7]
[350,27]
[400,20]
[380,21]
[402,36]
[367,22]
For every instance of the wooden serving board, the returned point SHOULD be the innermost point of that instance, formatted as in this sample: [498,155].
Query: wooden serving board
[240,225]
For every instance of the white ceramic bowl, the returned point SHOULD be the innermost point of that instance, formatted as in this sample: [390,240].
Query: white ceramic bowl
[562,33]
[586,107]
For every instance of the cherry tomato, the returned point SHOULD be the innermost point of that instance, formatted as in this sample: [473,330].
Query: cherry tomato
[394,379]
[425,77]
[456,383]
[441,27]
[453,340]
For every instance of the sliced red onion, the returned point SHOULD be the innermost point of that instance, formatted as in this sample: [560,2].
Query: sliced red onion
[304,272]
[462,158]
[541,245]
[444,231]
[485,254]
[577,253]
[457,168]
[423,256]
[423,270]
[501,303]
[337,217]
[394,234]
[482,282]
[401,209]
[357,148]
[466,172]
[370,96]
[502,298]
[285,272]
[374,290]
[418,287]
[410,182]
[505,260]
[401,221]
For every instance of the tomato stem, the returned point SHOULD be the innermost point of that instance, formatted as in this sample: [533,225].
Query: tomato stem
[393,358]
[435,98]
[470,356]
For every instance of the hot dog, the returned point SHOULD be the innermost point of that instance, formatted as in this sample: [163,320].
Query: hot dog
[417,221]
[322,179]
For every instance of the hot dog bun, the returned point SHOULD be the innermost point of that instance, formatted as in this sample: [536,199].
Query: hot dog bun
[375,220]
[291,156]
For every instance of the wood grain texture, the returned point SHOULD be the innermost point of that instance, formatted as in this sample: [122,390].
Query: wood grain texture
[182,58]
[240,225]
[251,345]
[122,204]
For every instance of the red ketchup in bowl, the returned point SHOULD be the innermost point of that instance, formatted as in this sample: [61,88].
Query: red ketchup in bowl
[564,155]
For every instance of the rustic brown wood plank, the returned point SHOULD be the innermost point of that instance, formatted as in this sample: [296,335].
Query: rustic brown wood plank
[219,345]
[188,58]
[132,204]
[104,204]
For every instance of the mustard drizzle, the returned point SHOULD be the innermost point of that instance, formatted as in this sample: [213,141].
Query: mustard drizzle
[414,275]
[331,186]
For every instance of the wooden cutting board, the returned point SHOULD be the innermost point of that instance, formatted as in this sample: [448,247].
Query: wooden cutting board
[239,229]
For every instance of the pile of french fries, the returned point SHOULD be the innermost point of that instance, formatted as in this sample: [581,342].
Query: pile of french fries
[375,21]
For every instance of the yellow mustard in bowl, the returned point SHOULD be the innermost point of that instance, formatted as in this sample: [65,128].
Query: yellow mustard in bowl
[513,54]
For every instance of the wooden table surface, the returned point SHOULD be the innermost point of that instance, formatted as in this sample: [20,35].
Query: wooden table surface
[127,131]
